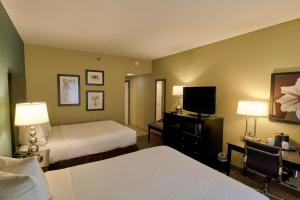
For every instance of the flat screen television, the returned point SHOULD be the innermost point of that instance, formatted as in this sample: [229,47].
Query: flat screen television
[201,100]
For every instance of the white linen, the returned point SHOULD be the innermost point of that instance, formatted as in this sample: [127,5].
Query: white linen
[29,167]
[76,140]
[60,184]
[158,173]
[18,187]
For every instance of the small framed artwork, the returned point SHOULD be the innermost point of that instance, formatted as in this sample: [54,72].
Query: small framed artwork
[94,100]
[94,77]
[285,97]
[68,89]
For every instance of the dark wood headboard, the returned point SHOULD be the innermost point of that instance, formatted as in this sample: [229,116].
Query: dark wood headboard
[17,94]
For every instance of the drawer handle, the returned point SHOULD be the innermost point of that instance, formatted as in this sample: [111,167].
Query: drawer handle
[196,142]
[196,152]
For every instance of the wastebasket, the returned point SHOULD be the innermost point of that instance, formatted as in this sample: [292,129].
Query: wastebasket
[222,162]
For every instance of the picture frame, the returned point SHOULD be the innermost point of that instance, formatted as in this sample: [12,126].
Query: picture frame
[68,87]
[285,97]
[94,77]
[94,100]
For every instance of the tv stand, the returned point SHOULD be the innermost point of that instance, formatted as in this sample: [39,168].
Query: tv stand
[200,138]
[199,115]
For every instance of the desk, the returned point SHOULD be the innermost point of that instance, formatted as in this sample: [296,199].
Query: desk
[289,159]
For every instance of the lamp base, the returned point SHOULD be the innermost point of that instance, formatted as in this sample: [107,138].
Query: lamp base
[33,147]
[178,110]
[251,138]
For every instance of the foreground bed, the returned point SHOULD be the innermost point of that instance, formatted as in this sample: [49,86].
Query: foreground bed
[157,173]
[81,143]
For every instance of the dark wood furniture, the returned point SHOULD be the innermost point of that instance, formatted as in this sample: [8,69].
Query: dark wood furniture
[199,138]
[92,158]
[157,126]
[289,159]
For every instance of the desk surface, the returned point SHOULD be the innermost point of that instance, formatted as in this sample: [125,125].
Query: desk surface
[289,156]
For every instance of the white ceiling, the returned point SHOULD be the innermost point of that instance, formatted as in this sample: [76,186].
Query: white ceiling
[146,29]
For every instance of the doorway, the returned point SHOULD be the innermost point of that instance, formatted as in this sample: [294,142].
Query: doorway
[160,98]
[127,102]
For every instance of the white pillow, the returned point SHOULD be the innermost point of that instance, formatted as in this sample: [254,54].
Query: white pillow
[47,128]
[27,166]
[18,187]
[41,135]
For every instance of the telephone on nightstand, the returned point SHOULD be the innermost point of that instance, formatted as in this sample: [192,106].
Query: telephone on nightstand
[20,154]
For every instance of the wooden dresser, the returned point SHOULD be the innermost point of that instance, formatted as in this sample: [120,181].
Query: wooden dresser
[199,138]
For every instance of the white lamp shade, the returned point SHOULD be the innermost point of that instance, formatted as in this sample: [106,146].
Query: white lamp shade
[31,114]
[253,108]
[177,90]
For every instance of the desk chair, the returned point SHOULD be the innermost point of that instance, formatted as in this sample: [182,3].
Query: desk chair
[264,159]
[158,126]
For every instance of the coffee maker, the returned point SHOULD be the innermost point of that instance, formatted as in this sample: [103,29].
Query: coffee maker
[279,138]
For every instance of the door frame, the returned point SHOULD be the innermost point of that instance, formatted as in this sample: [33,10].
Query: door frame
[164,97]
[128,81]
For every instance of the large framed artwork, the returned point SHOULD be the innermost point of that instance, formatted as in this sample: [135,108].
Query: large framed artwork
[68,90]
[94,100]
[285,97]
[94,77]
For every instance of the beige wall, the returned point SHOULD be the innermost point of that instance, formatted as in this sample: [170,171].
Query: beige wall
[44,63]
[240,68]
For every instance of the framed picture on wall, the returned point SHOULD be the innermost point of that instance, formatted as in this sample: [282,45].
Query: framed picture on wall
[94,100]
[68,89]
[94,77]
[285,97]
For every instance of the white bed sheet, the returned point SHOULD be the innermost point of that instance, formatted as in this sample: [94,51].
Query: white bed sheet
[75,140]
[159,173]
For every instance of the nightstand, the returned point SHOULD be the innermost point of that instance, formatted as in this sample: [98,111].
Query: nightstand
[43,160]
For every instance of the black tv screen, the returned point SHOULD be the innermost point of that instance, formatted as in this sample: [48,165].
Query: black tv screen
[201,100]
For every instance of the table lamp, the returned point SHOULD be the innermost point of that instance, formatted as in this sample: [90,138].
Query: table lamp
[178,91]
[253,109]
[31,114]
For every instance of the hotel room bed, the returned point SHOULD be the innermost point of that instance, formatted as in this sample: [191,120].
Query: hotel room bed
[80,143]
[158,173]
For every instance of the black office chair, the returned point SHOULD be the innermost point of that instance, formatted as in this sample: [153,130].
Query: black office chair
[264,159]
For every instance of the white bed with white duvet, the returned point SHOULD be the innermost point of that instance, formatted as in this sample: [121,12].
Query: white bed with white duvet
[76,140]
[159,173]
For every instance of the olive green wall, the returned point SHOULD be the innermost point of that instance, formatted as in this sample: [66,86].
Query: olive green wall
[11,60]
[44,63]
[240,68]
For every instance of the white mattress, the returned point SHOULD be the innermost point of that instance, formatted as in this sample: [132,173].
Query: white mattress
[159,173]
[75,140]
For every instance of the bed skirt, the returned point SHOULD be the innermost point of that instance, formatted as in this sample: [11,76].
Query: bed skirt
[92,158]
